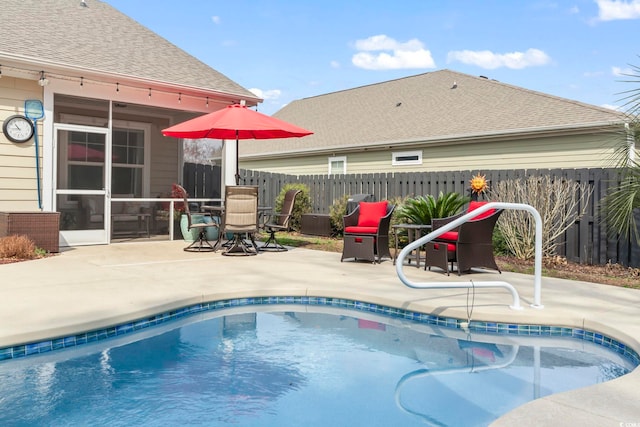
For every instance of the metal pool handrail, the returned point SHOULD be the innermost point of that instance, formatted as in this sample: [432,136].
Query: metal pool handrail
[537,277]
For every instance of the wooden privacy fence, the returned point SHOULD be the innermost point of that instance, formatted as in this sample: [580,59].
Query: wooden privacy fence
[586,241]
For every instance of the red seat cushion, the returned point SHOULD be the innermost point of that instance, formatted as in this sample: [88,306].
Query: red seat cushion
[356,229]
[475,205]
[448,235]
[371,213]
[450,246]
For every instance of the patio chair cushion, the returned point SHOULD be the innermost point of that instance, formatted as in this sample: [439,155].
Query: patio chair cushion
[371,213]
[356,229]
[449,235]
[475,205]
[450,246]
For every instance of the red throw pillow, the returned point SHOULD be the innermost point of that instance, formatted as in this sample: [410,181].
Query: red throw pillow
[371,213]
[475,205]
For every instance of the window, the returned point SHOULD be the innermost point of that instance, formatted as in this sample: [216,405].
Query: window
[128,162]
[337,165]
[401,158]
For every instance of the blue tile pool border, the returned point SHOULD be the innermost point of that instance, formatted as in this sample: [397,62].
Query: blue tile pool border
[24,350]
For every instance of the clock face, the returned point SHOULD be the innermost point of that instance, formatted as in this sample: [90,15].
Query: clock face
[18,128]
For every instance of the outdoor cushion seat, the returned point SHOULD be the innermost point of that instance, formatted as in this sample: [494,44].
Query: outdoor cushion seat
[470,244]
[366,232]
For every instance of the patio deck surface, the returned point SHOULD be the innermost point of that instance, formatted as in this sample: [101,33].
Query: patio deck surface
[92,287]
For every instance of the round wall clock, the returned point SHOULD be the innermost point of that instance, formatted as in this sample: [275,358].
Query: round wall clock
[18,128]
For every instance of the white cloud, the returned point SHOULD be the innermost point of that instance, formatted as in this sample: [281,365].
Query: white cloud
[489,60]
[395,55]
[266,94]
[335,64]
[215,19]
[617,71]
[611,10]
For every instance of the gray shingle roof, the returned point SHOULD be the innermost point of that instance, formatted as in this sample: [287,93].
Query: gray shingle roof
[426,107]
[99,37]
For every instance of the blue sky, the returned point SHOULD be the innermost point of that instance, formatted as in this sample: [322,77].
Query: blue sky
[285,50]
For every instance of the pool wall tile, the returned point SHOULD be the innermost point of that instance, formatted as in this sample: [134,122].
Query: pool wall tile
[58,343]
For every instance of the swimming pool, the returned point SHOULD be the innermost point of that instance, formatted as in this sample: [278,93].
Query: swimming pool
[248,365]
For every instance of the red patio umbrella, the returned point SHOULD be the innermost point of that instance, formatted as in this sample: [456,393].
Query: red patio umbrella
[235,122]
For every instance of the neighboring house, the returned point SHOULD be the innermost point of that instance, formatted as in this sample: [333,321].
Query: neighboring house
[108,86]
[438,121]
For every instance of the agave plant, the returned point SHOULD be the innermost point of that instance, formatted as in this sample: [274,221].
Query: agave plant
[421,209]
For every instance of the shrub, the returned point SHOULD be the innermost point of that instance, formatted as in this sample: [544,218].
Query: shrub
[336,211]
[421,209]
[301,206]
[559,202]
[17,246]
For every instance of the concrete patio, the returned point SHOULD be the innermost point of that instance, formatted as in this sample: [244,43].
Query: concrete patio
[91,287]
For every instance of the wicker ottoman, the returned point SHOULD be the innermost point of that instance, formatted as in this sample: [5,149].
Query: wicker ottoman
[359,247]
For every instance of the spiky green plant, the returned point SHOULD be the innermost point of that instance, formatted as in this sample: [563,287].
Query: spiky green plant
[421,209]
[621,203]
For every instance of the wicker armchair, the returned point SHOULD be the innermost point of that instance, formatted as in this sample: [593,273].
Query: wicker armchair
[366,232]
[469,245]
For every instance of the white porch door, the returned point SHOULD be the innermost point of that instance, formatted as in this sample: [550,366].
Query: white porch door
[83,183]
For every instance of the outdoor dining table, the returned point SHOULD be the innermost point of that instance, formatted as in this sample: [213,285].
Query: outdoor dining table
[414,232]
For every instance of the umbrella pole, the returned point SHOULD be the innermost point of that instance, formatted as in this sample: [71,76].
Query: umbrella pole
[237,162]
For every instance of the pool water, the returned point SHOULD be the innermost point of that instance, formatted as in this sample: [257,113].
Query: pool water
[297,368]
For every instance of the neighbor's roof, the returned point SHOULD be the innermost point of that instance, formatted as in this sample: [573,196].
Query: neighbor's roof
[439,106]
[100,38]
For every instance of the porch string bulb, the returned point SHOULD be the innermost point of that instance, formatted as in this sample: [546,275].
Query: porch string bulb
[0,71]
[149,93]
[207,104]
[179,98]
[81,81]
[117,87]
[43,81]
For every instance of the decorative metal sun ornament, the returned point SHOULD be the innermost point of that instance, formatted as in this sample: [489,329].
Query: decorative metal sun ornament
[479,184]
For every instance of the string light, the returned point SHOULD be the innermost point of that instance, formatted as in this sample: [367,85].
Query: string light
[43,80]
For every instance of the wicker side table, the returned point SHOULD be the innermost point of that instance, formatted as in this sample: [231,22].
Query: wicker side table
[42,227]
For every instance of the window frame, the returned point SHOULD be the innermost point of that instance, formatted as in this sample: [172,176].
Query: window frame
[336,159]
[396,154]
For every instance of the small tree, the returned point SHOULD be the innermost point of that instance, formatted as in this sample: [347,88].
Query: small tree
[560,203]
[621,204]
[301,206]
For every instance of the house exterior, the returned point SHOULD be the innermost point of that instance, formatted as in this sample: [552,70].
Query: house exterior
[438,121]
[107,86]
